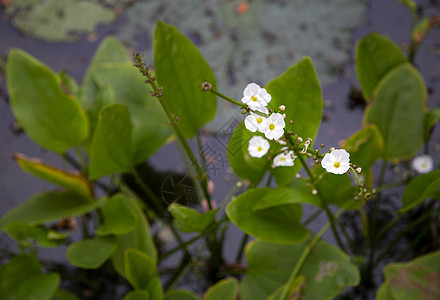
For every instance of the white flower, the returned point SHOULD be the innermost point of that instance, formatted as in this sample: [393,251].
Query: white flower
[336,162]
[258,146]
[273,127]
[284,160]
[254,121]
[423,164]
[255,96]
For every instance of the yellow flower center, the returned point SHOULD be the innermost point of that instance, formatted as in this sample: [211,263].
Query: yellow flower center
[271,126]
[424,166]
[254,98]
[259,148]
[259,119]
[337,164]
[283,159]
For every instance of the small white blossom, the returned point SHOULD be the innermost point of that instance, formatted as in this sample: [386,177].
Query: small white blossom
[273,127]
[336,162]
[423,164]
[258,146]
[282,107]
[284,159]
[254,121]
[255,96]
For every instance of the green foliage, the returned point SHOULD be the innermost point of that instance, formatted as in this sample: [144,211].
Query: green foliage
[420,188]
[327,270]
[48,207]
[26,234]
[190,220]
[299,90]
[375,56]
[278,224]
[118,217]
[180,294]
[53,119]
[137,295]
[91,253]
[22,278]
[393,106]
[298,192]
[180,69]
[417,279]
[225,289]
[431,119]
[365,146]
[140,269]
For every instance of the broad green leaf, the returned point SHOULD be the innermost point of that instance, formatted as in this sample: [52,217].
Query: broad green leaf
[298,192]
[294,291]
[140,238]
[419,189]
[91,253]
[51,118]
[417,279]
[140,268]
[400,98]
[22,278]
[180,294]
[180,69]
[74,181]
[327,270]
[431,119]
[225,289]
[50,206]
[375,56]
[279,224]
[299,90]
[155,288]
[111,149]
[149,122]
[384,292]
[118,217]
[137,295]
[187,219]
[244,165]
[365,146]
[61,294]
[26,234]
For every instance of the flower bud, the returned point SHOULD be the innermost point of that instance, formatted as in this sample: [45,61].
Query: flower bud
[282,108]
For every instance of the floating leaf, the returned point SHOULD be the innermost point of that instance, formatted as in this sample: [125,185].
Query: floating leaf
[74,181]
[48,207]
[225,289]
[22,278]
[111,150]
[180,294]
[91,253]
[180,69]
[375,56]
[187,219]
[279,224]
[140,268]
[400,98]
[118,217]
[327,270]
[51,118]
[419,189]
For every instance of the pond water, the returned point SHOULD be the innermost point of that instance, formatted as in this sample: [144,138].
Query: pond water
[242,46]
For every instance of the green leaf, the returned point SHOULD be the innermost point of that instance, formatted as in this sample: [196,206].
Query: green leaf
[140,268]
[150,128]
[279,224]
[118,217]
[61,294]
[384,292]
[244,165]
[50,206]
[51,118]
[190,220]
[225,289]
[155,288]
[22,278]
[111,149]
[180,294]
[140,238]
[298,192]
[327,270]
[91,253]
[294,291]
[180,70]
[400,98]
[299,90]
[26,234]
[417,279]
[431,119]
[375,56]
[137,295]
[420,188]
[74,181]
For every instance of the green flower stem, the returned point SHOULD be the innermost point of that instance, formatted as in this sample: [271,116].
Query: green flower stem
[323,202]
[303,257]
[389,186]
[183,267]
[242,246]
[313,217]
[202,152]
